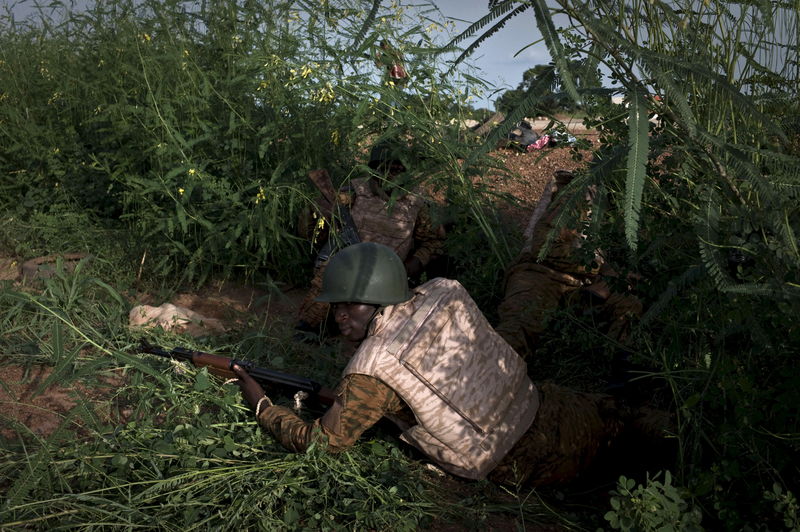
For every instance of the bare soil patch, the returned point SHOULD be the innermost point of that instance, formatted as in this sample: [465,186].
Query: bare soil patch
[23,402]
[532,171]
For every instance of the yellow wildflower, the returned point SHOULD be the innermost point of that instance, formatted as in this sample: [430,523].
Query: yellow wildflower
[306,71]
[325,94]
[186,53]
[181,191]
[263,85]
[319,227]
[146,37]
[192,171]
[261,196]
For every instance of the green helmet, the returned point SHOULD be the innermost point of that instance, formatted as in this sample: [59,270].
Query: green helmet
[365,273]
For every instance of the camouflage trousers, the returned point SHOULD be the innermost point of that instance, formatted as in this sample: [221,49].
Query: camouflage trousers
[534,290]
[569,431]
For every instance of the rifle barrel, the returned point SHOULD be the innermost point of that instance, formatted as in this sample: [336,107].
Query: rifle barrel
[265,377]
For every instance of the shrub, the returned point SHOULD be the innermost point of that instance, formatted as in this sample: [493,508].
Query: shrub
[652,506]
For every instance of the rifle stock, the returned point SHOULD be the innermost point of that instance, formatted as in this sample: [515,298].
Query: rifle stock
[267,378]
[322,180]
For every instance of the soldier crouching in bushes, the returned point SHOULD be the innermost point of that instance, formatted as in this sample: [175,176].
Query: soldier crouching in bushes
[404,224]
[534,288]
[428,360]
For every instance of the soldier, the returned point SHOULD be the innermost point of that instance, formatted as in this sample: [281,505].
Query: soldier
[533,289]
[428,360]
[404,224]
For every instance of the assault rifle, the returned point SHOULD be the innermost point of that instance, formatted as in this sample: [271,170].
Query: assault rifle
[346,234]
[267,378]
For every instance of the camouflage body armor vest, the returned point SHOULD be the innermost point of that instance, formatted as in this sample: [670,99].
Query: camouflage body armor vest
[377,222]
[469,391]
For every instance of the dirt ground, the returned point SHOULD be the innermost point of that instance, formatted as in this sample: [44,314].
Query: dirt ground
[41,411]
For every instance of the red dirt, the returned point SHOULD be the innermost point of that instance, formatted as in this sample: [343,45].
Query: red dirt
[26,411]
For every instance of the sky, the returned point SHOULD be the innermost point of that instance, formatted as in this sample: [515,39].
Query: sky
[495,57]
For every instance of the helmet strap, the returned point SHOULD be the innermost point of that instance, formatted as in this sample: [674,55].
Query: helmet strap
[370,320]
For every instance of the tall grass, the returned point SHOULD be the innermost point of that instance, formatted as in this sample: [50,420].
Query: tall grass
[166,446]
[189,129]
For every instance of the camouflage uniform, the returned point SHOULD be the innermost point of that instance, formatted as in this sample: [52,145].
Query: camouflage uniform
[569,430]
[379,221]
[533,289]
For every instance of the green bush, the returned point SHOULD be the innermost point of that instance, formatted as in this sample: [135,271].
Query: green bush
[190,130]
[652,506]
[696,178]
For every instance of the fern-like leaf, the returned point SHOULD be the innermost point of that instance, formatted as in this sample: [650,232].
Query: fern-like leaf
[788,166]
[488,33]
[368,22]
[708,235]
[495,11]
[638,139]
[760,289]
[681,69]
[544,22]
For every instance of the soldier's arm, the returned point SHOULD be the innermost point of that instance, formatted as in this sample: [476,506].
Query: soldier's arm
[361,401]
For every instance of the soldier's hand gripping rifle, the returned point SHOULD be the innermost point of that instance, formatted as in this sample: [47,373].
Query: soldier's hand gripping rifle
[267,378]
[338,217]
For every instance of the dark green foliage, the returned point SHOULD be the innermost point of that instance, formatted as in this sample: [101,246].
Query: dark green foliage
[696,183]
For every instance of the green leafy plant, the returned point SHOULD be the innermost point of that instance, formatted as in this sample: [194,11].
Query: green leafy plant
[654,505]
[191,131]
[785,504]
